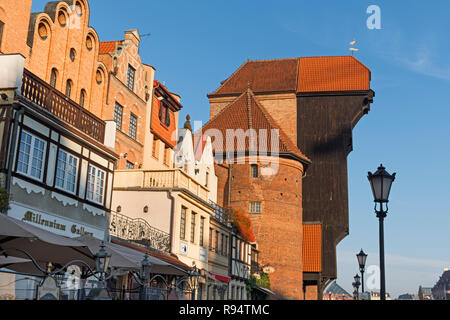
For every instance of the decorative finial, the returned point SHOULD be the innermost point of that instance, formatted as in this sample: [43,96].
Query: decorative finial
[187,124]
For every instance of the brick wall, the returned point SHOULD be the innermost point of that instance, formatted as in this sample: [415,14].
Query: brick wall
[59,38]
[278,229]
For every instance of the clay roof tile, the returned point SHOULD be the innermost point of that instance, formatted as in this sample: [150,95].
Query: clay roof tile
[312,248]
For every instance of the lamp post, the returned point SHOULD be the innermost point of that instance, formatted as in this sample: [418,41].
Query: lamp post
[356,285]
[362,257]
[102,261]
[195,275]
[146,266]
[381,183]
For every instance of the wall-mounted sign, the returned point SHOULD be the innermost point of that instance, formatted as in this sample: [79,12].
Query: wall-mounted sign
[268,270]
[53,223]
[183,248]
[203,255]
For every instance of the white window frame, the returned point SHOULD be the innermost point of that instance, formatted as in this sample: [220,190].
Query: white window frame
[65,171]
[95,185]
[29,164]
[255,207]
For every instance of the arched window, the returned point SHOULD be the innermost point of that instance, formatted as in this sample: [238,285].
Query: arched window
[69,88]
[53,77]
[82,97]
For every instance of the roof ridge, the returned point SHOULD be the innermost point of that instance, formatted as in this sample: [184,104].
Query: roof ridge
[250,122]
[223,110]
[346,56]
[231,76]
[270,60]
[288,142]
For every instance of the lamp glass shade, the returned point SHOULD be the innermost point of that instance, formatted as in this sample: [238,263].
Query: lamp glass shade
[102,259]
[381,183]
[357,279]
[195,275]
[362,257]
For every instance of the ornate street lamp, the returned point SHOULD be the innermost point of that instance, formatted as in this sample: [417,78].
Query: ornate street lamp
[146,267]
[362,257]
[195,275]
[102,261]
[356,285]
[381,183]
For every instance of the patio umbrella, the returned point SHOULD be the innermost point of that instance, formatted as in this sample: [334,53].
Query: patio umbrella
[127,258]
[42,245]
[7,261]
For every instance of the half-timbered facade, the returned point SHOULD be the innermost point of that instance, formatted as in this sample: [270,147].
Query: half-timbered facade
[243,263]
[54,163]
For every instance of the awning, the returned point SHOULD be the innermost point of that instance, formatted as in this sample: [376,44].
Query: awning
[265,291]
[7,261]
[123,257]
[161,256]
[42,245]
[220,277]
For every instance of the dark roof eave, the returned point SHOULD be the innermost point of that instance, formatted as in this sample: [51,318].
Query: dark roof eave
[284,154]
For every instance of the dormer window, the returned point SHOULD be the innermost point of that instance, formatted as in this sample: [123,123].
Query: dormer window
[164,113]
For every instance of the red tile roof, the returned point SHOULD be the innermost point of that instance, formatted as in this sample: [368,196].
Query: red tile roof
[264,75]
[312,74]
[107,46]
[321,74]
[312,248]
[247,113]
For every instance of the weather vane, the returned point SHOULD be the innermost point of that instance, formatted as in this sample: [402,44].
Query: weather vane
[352,49]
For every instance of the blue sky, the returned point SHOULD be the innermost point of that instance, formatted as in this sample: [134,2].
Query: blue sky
[196,44]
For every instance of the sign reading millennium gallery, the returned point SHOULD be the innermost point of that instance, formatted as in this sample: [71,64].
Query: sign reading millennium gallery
[53,223]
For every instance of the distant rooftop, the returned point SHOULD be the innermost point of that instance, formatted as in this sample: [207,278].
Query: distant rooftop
[334,288]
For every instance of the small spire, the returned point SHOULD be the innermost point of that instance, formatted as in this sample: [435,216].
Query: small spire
[187,124]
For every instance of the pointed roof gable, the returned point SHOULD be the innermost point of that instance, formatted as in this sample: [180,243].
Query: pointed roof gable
[247,113]
[264,75]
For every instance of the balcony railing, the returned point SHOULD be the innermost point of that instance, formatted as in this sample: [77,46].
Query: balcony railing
[138,230]
[170,178]
[221,214]
[50,99]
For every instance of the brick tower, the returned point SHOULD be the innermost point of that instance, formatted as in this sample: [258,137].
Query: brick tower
[317,101]
[267,186]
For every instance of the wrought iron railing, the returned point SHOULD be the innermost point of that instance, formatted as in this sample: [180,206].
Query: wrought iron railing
[221,214]
[138,230]
[41,93]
